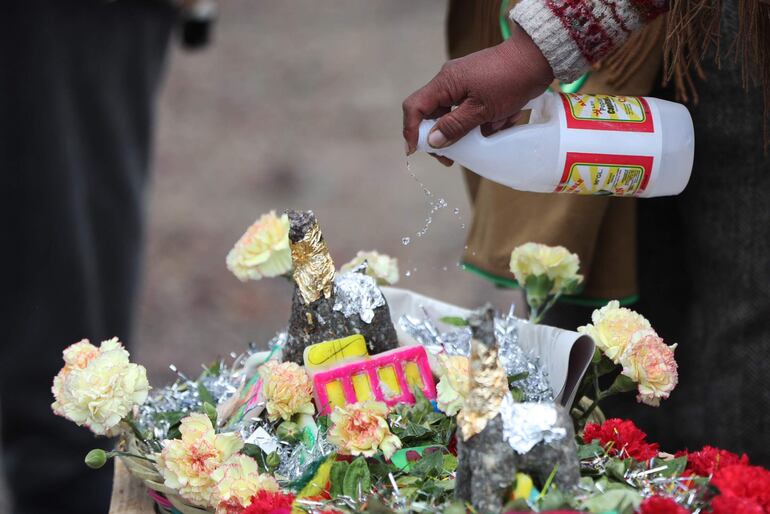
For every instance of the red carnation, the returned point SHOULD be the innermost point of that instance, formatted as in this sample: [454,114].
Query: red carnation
[735,505]
[707,461]
[270,502]
[661,505]
[742,482]
[622,438]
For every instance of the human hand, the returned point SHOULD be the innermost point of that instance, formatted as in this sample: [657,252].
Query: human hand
[488,88]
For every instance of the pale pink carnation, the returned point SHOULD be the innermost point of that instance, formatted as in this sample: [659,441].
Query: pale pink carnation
[650,363]
[361,429]
[288,390]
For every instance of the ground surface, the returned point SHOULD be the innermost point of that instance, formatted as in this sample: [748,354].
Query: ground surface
[295,105]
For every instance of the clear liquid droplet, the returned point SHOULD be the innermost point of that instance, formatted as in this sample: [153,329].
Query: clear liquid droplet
[408,273]
[405,241]
[456,210]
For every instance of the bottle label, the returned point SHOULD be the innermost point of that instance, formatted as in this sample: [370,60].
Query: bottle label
[605,174]
[605,112]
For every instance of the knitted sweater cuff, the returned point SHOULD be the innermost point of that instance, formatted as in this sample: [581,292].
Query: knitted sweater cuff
[551,37]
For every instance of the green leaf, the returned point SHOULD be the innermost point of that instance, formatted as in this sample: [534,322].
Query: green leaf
[589,451]
[620,500]
[622,384]
[431,464]
[337,477]
[379,469]
[674,467]
[210,411]
[455,321]
[205,394]
[515,378]
[518,394]
[616,468]
[450,463]
[323,423]
[357,481]
[173,417]
[553,500]
[256,453]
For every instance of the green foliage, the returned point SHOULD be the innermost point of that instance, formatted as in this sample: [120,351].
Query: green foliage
[357,481]
[419,424]
[337,477]
[455,321]
[256,453]
[618,498]
[205,394]
[210,411]
[673,467]
[622,384]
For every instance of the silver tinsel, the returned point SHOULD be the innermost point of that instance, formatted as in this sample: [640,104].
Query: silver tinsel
[527,424]
[357,294]
[535,386]
[184,396]
[296,459]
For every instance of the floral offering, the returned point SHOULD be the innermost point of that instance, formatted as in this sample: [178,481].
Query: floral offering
[465,423]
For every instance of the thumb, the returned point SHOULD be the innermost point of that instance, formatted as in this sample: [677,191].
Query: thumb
[455,124]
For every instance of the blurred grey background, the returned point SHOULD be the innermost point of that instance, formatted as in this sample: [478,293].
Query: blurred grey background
[294,105]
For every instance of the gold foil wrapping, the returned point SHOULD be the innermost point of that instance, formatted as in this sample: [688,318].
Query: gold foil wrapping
[313,266]
[487,387]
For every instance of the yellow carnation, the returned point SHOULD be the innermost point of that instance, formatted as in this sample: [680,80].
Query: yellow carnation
[381,267]
[556,262]
[453,384]
[263,251]
[187,464]
[287,389]
[650,363]
[613,327]
[361,429]
[98,387]
[237,480]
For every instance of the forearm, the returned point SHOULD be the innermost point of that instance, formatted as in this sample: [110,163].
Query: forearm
[574,34]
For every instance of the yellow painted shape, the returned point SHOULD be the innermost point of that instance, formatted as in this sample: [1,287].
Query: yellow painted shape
[335,394]
[524,486]
[388,381]
[316,486]
[324,355]
[412,372]
[362,387]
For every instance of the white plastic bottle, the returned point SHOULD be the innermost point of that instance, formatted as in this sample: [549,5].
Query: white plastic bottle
[584,144]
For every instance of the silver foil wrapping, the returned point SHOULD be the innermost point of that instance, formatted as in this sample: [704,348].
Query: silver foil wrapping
[356,294]
[527,424]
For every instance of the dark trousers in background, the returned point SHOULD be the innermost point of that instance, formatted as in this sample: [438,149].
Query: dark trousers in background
[704,264]
[78,80]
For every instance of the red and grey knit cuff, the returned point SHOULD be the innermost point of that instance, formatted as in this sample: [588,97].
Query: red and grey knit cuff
[552,38]
[574,34]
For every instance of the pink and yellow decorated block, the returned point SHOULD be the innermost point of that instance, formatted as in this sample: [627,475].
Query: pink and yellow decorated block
[387,377]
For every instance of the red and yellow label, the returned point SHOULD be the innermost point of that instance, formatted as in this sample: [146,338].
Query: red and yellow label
[605,112]
[605,174]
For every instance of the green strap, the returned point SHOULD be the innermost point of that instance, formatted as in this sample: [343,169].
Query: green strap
[509,283]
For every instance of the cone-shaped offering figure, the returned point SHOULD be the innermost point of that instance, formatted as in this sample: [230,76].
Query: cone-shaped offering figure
[497,438]
[327,306]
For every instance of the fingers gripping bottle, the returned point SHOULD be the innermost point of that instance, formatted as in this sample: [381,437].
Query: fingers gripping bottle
[584,144]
